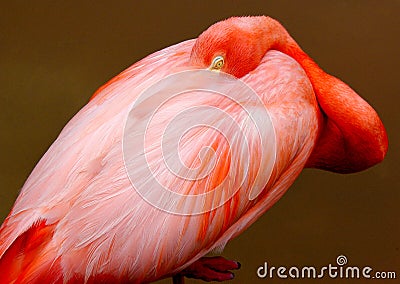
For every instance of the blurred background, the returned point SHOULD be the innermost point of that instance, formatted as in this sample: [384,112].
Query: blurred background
[55,54]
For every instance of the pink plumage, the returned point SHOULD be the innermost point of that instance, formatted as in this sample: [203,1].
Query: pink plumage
[78,218]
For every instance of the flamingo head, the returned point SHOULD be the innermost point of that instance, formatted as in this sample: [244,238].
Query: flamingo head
[352,137]
[235,46]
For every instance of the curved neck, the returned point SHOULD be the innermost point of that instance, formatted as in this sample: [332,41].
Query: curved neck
[352,137]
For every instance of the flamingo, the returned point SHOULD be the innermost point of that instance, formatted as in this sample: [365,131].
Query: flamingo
[78,217]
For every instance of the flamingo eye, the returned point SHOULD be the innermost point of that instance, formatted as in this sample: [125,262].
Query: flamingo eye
[217,63]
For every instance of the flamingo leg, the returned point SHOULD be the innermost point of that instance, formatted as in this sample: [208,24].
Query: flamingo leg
[210,269]
[178,279]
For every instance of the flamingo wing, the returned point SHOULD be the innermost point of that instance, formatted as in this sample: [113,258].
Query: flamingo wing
[84,219]
[76,161]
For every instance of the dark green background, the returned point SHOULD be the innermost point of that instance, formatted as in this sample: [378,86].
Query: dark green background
[54,55]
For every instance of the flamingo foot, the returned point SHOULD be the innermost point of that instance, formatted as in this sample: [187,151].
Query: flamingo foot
[211,269]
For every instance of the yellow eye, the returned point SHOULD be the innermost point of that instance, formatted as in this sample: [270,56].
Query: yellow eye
[217,63]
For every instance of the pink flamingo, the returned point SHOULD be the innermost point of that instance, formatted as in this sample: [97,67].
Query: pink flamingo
[78,218]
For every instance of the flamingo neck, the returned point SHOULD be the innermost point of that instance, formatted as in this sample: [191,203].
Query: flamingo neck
[352,136]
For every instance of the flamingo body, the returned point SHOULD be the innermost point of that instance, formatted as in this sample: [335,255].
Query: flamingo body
[78,218]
